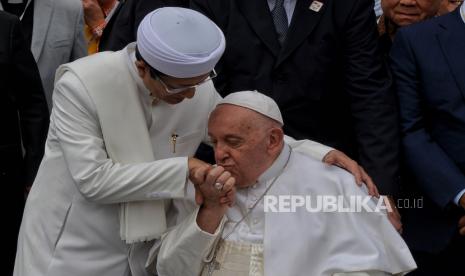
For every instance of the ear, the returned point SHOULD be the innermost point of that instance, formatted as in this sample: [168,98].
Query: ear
[141,68]
[276,138]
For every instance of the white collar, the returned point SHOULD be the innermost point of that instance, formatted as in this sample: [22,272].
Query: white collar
[131,54]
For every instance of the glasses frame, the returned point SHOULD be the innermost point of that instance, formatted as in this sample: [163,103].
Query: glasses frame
[177,90]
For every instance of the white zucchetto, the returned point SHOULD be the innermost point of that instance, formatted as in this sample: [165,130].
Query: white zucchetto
[255,101]
[180,42]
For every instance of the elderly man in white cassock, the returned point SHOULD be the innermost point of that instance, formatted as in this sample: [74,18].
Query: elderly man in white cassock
[244,239]
[123,130]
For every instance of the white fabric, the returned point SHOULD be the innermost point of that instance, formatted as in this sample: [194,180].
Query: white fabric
[70,224]
[289,7]
[302,243]
[255,101]
[180,42]
[238,259]
[251,229]
[126,139]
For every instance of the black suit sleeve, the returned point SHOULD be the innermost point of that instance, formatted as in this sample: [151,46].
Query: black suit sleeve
[372,101]
[32,106]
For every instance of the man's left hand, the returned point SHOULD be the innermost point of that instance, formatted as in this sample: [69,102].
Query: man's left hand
[339,159]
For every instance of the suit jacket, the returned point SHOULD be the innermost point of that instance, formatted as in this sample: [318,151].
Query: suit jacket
[57,38]
[427,60]
[327,78]
[122,27]
[24,121]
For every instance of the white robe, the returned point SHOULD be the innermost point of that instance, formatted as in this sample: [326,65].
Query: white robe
[299,243]
[71,219]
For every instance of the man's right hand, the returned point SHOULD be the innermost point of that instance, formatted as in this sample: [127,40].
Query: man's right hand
[216,188]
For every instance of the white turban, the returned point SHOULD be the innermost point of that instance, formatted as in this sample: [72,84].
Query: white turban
[255,101]
[180,42]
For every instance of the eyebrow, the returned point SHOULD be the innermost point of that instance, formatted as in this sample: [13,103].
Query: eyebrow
[228,136]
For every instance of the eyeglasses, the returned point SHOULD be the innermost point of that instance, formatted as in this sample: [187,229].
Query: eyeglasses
[184,88]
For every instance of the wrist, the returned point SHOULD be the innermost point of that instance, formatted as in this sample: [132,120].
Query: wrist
[208,218]
[213,209]
[462,201]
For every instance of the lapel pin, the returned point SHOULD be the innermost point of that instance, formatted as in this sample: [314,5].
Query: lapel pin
[316,6]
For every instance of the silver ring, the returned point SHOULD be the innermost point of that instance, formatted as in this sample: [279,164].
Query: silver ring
[219,186]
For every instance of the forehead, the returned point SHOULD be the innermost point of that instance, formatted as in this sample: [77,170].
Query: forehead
[227,118]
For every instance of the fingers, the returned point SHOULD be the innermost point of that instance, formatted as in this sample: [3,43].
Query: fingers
[372,189]
[213,175]
[354,168]
[339,159]
[198,174]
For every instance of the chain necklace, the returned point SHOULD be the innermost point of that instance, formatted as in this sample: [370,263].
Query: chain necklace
[213,264]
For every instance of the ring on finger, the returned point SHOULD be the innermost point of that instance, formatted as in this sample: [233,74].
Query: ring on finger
[219,186]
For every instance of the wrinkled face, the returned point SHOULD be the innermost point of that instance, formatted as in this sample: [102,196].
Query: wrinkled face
[241,145]
[406,12]
[158,90]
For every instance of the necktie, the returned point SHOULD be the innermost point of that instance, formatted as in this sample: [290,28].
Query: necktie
[280,20]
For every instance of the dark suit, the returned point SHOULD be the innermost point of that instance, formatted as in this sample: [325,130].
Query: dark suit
[428,62]
[24,120]
[328,78]
[122,27]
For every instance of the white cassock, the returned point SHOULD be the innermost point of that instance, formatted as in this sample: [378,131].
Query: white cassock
[293,243]
[71,222]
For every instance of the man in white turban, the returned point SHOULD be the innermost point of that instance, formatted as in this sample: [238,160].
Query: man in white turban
[276,227]
[123,130]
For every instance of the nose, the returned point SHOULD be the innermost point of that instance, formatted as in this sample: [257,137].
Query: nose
[408,2]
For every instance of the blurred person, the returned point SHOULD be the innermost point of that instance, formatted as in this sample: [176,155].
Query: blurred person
[54,32]
[24,119]
[245,239]
[427,61]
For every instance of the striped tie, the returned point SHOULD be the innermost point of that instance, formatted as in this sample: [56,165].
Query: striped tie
[280,20]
